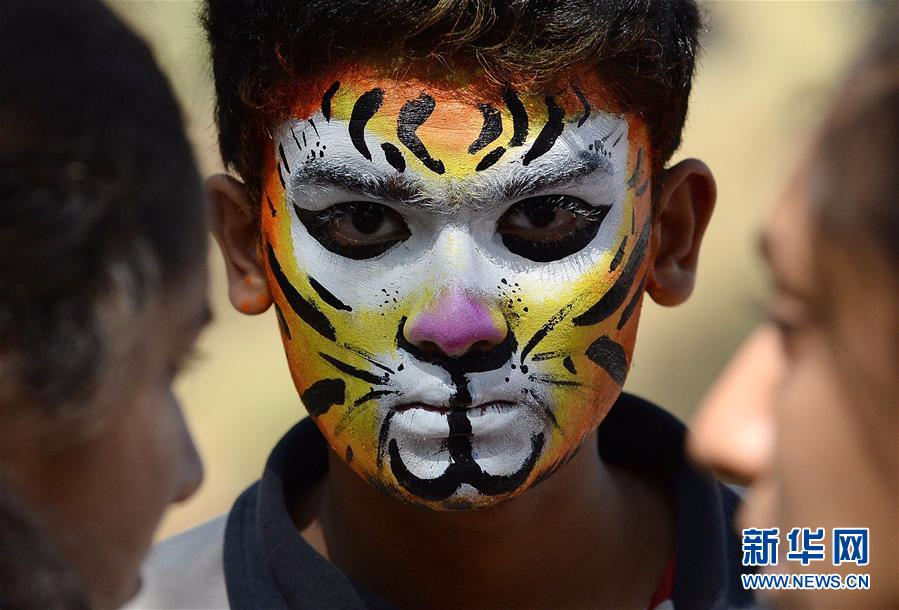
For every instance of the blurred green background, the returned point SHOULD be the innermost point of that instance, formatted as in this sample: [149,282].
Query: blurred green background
[766,75]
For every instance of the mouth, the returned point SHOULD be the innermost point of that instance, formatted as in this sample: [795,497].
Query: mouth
[429,421]
[433,450]
[471,410]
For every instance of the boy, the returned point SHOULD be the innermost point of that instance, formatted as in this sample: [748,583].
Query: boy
[455,209]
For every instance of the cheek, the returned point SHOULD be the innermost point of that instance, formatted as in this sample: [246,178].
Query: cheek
[822,445]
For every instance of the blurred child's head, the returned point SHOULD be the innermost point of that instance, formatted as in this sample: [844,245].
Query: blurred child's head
[807,410]
[102,282]
[456,208]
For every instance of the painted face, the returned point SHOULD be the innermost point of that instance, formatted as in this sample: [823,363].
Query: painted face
[457,269]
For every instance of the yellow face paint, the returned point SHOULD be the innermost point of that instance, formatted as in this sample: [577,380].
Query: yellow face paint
[457,270]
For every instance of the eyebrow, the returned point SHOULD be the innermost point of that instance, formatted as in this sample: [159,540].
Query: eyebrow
[397,188]
[477,192]
[525,184]
[781,279]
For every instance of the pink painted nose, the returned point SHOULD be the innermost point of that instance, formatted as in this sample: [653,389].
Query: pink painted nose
[454,324]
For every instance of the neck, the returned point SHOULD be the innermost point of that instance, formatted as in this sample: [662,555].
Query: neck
[574,539]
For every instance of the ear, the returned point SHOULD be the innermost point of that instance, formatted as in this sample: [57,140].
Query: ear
[236,230]
[683,210]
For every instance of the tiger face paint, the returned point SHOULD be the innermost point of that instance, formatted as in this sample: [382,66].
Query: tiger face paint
[457,270]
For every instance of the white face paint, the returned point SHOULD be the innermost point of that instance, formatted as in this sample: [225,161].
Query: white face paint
[456,334]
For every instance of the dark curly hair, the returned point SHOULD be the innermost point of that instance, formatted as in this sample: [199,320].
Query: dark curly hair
[644,51]
[101,205]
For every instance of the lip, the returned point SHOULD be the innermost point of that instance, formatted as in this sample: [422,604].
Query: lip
[486,420]
[444,409]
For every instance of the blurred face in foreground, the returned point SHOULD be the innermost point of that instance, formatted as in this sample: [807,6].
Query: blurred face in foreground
[100,480]
[807,408]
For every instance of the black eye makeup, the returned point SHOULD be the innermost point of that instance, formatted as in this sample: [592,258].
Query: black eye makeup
[355,229]
[550,227]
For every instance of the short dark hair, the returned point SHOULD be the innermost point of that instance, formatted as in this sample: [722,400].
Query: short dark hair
[32,572]
[853,184]
[644,50]
[101,205]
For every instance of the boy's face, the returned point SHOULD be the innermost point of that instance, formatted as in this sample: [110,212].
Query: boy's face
[457,268]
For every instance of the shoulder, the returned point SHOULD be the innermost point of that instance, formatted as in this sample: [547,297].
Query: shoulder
[185,571]
[639,435]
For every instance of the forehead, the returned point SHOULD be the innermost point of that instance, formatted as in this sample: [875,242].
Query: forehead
[457,87]
[457,126]
[786,237]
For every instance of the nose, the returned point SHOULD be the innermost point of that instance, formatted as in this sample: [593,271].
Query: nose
[189,466]
[455,323]
[191,476]
[734,428]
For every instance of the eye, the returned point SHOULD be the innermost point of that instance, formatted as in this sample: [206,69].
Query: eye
[356,229]
[550,227]
[794,322]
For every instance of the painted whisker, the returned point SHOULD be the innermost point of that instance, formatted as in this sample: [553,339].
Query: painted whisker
[368,357]
[353,371]
[361,405]
[544,330]
[540,356]
[549,379]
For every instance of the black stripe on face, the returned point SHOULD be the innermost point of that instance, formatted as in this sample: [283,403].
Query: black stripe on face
[616,260]
[412,115]
[394,157]
[370,358]
[373,395]
[544,330]
[304,309]
[549,134]
[363,110]
[351,413]
[632,304]
[283,157]
[282,322]
[321,395]
[327,296]
[519,117]
[352,371]
[614,297]
[296,140]
[551,380]
[610,357]
[632,181]
[584,103]
[540,356]
[326,100]
[491,130]
[642,188]
[490,158]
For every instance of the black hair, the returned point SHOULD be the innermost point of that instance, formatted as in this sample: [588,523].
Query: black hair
[101,205]
[643,50]
[853,185]
[33,576]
